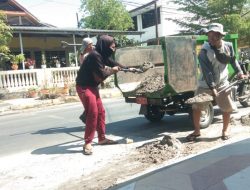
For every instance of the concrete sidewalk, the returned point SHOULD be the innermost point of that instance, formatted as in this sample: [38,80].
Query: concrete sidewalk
[8,106]
[224,168]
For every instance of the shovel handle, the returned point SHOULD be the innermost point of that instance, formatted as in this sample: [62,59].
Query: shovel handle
[230,85]
[132,71]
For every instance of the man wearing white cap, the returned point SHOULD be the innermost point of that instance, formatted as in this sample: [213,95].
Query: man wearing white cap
[87,46]
[214,58]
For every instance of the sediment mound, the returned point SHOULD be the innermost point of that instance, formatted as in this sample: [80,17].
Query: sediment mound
[159,151]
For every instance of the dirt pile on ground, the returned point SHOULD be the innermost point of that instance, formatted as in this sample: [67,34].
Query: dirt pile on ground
[159,151]
[200,98]
[121,169]
[233,121]
[245,119]
[151,83]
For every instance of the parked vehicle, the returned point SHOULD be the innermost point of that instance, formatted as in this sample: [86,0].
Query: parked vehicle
[243,89]
[164,88]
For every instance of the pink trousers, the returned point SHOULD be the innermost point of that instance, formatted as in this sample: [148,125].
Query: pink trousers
[95,113]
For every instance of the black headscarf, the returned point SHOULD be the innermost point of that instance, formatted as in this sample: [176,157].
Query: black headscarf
[103,46]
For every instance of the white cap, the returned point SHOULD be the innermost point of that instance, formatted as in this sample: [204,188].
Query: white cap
[85,43]
[216,27]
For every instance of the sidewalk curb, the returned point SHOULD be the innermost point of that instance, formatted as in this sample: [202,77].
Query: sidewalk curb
[10,106]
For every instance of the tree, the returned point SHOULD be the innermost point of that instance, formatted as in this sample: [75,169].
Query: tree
[233,14]
[105,14]
[5,36]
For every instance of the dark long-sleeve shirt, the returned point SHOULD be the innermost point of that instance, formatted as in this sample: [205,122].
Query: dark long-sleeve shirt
[95,70]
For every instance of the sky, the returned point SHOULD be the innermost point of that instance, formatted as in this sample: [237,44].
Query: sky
[63,13]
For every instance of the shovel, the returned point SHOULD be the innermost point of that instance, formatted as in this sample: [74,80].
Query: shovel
[146,65]
[229,86]
[200,99]
[206,98]
[143,68]
[132,71]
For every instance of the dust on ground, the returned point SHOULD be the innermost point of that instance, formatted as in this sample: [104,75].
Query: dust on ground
[245,120]
[157,153]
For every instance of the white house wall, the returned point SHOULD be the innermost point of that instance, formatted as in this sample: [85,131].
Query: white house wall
[165,28]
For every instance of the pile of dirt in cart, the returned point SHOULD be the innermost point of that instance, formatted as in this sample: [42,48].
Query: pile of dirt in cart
[245,119]
[200,98]
[159,151]
[151,83]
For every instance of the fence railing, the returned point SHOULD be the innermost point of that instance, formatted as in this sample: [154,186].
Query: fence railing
[19,80]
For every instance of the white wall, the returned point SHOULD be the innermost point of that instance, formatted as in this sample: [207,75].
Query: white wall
[166,27]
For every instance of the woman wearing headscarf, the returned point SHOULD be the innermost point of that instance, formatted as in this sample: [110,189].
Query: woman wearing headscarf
[98,65]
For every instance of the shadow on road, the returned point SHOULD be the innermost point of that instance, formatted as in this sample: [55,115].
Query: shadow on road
[64,148]
[56,130]
[139,129]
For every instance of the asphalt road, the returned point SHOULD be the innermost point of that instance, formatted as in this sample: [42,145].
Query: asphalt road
[37,128]
[42,148]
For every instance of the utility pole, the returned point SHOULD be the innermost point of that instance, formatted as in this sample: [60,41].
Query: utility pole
[156,21]
[77,19]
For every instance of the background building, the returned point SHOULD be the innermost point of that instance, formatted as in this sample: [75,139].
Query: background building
[41,41]
[151,18]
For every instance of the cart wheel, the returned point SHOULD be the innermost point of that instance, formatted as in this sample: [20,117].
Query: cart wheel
[243,90]
[154,113]
[207,116]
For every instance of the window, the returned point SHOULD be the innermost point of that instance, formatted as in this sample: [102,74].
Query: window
[134,19]
[26,54]
[38,58]
[148,18]
[52,55]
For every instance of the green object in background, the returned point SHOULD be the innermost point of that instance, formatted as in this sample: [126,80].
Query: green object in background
[166,87]
[175,58]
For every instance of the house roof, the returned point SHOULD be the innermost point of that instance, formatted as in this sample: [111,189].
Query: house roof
[143,8]
[14,10]
[67,31]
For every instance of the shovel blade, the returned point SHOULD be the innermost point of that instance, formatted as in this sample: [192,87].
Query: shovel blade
[200,98]
[146,65]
